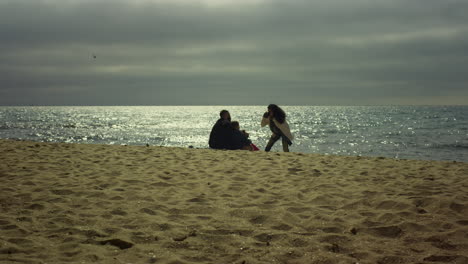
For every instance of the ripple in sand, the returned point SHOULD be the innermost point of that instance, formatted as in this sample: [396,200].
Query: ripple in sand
[21,242]
[265,237]
[392,205]
[447,258]
[24,219]
[62,192]
[143,238]
[36,207]
[4,222]
[119,212]
[335,239]
[92,258]
[283,227]
[414,227]
[335,230]
[147,211]
[117,243]
[391,260]
[117,198]
[14,230]
[259,219]
[459,208]
[161,184]
[10,250]
[463,222]
[197,200]
[297,242]
[71,253]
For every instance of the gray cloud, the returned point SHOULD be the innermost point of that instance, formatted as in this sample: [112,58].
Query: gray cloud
[289,52]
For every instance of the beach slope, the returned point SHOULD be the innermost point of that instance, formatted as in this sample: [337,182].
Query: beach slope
[75,203]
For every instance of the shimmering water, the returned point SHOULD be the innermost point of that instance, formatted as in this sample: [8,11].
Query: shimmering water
[407,132]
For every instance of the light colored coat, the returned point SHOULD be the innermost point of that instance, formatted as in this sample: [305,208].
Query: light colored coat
[283,127]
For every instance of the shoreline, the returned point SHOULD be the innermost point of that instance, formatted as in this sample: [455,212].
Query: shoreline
[208,148]
[415,133]
[86,203]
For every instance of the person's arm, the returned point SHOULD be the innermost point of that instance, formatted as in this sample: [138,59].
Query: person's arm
[265,119]
[245,133]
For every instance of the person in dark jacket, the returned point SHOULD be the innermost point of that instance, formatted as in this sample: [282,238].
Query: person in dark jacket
[221,135]
[241,138]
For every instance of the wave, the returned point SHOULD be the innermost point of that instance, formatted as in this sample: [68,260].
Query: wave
[450,146]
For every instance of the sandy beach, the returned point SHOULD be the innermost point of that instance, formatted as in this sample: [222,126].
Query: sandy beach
[77,203]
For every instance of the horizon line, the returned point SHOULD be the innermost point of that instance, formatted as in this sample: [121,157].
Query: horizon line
[2,105]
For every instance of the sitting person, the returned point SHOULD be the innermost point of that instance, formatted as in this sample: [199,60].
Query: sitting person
[221,133]
[242,138]
[224,136]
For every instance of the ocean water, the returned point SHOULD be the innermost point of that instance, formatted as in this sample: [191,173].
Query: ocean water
[404,132]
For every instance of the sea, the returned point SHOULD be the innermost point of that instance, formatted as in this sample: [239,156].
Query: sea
[402,132]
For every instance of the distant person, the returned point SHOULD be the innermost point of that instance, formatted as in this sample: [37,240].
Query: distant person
[221,133]
[276,119]
[242,138]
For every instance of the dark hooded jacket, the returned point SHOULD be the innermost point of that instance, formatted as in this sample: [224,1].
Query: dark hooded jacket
[221,135]
[240,139]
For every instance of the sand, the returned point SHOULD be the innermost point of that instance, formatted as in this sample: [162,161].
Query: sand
[70,203]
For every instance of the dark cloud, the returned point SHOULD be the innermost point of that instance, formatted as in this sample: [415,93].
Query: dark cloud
[187,52]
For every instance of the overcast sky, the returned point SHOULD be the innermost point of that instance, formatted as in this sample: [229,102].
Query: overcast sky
[233,52]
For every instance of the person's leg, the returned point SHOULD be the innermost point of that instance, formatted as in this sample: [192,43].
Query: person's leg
[272,141]
[247,147]
[285,145]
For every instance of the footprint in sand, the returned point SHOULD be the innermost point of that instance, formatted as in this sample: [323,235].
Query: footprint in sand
[117,198]
[62,192]
[297,242]
[386,231]
[258,220]
[119,212]
[459,208]
[36,206]
[282,227]
[332,230]
[21,242]
[267,237]
[147,211]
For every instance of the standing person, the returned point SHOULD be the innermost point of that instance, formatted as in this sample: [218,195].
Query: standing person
[276,119]
[221,133]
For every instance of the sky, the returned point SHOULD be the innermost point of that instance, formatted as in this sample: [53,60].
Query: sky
[233,52]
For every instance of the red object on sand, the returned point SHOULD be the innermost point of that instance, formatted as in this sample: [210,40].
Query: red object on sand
[254,148]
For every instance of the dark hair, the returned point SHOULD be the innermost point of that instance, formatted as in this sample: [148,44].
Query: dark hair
[278,113]
[235,124]
[223,112]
